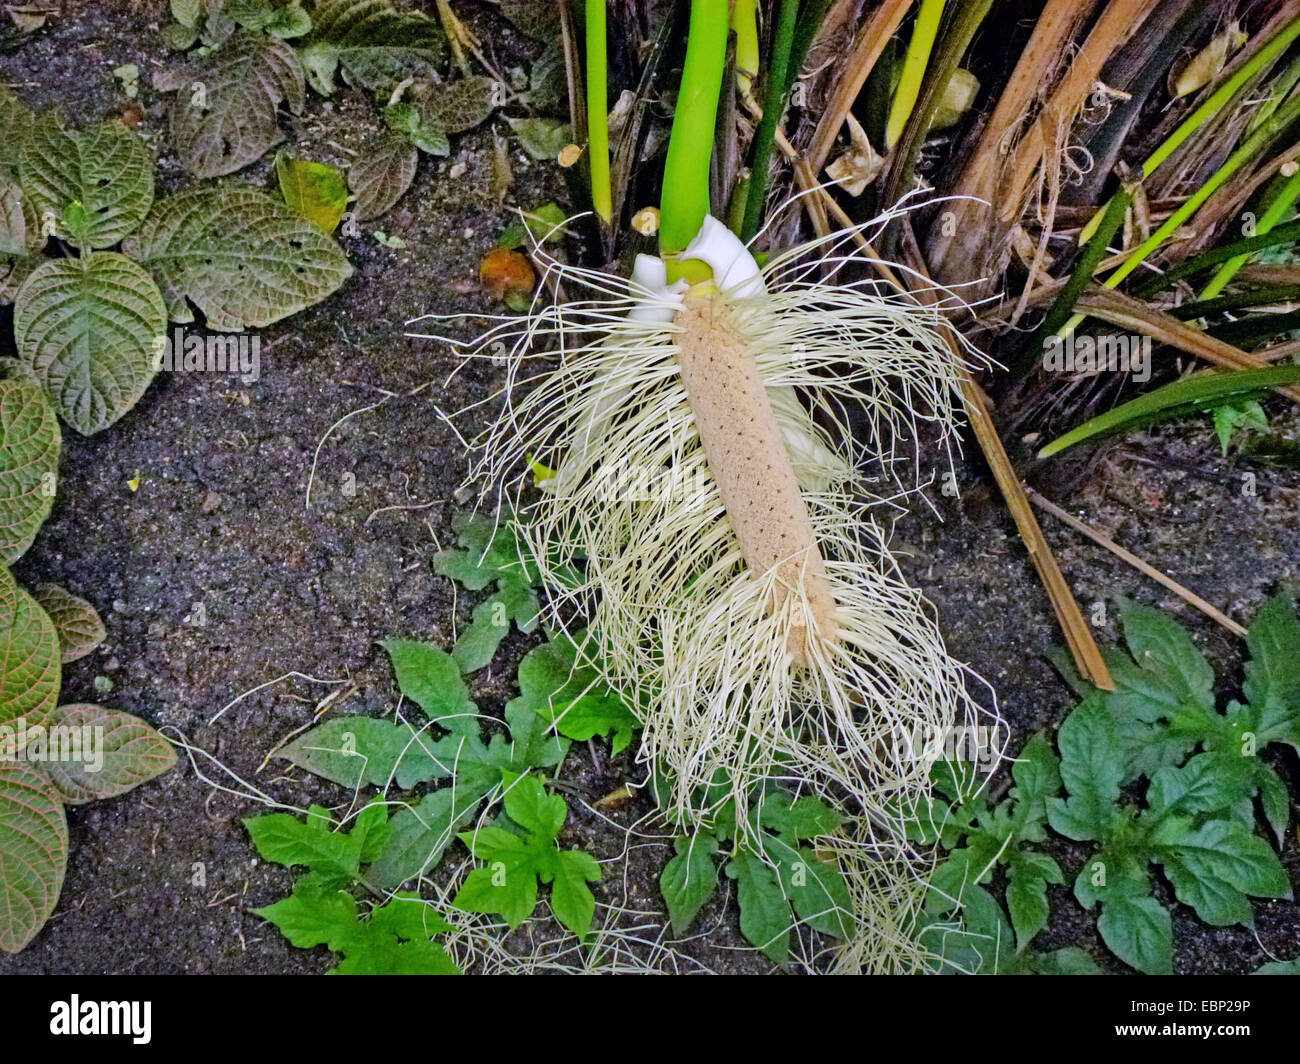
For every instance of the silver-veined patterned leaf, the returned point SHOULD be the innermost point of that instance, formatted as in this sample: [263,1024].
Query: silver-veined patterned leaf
[381,175]
[30,671]
[242,258]
[33,853]
[373,42]
[106,169]
[224,115]
[89,330]
[29,463]
[76,621]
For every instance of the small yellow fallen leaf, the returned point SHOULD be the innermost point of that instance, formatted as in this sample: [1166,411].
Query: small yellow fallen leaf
[134,482]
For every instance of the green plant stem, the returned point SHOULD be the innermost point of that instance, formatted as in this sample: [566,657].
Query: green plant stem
[1248,150]
[914,64]
[744,23]
[1273,293]
[1283,234]
[1089,259]
[775,94]
[1218,99]
[598,111]
[1193,393]
[1277,208]
[685,201]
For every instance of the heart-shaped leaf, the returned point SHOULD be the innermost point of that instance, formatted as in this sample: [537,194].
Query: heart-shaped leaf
[29,463]
[381,175]
[118,752]
[371,40]
[33,853]
[29,656]
[76,621]
[106,169]
[240,257]
[224,116]
[89,330]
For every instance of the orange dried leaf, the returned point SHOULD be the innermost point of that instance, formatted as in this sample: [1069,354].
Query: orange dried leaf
[503,271]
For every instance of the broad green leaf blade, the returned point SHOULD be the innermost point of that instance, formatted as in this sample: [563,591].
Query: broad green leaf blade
[572,902]
[89,330]
[1278,968]
[1228,851]
[224,115]
[242,258]
[76,621]
[284,839]
[1162,647]
[33,853]
[117,752]
[420,835]
[314,190]
[816,888]
[30,671]
[765,918]
[529,806]
[430,678]
[507,887]
[353,751]
[381,175]
[308,920]
[1092,769]
[1272,684]
[29,464]
[373,41]
[689,880]
[1139,932]
[107,169]
[1194,393]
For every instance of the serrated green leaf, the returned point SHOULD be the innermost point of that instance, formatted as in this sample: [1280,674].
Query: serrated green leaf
[430,678]
[314,190]
[689,879]
[224,116]
[490,623]
[815,888]
[107,169]
[418,128]
[1028,875]
[1208,783]
[1278,968]
[381,175]
[1272,683]
[365,38]
[243,259]
[420,835]
[1163,648]
[1092,769]
[76,621]
[1069,960]
[1139,932]
[284,839]
[30,670]
[542,138]
[765,919]
[1220,852]
[88,330]
[572,902]
[33,849]
[118,753]
[354,751]
[30,442]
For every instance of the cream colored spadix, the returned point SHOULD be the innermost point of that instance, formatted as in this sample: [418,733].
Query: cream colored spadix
[710,448]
